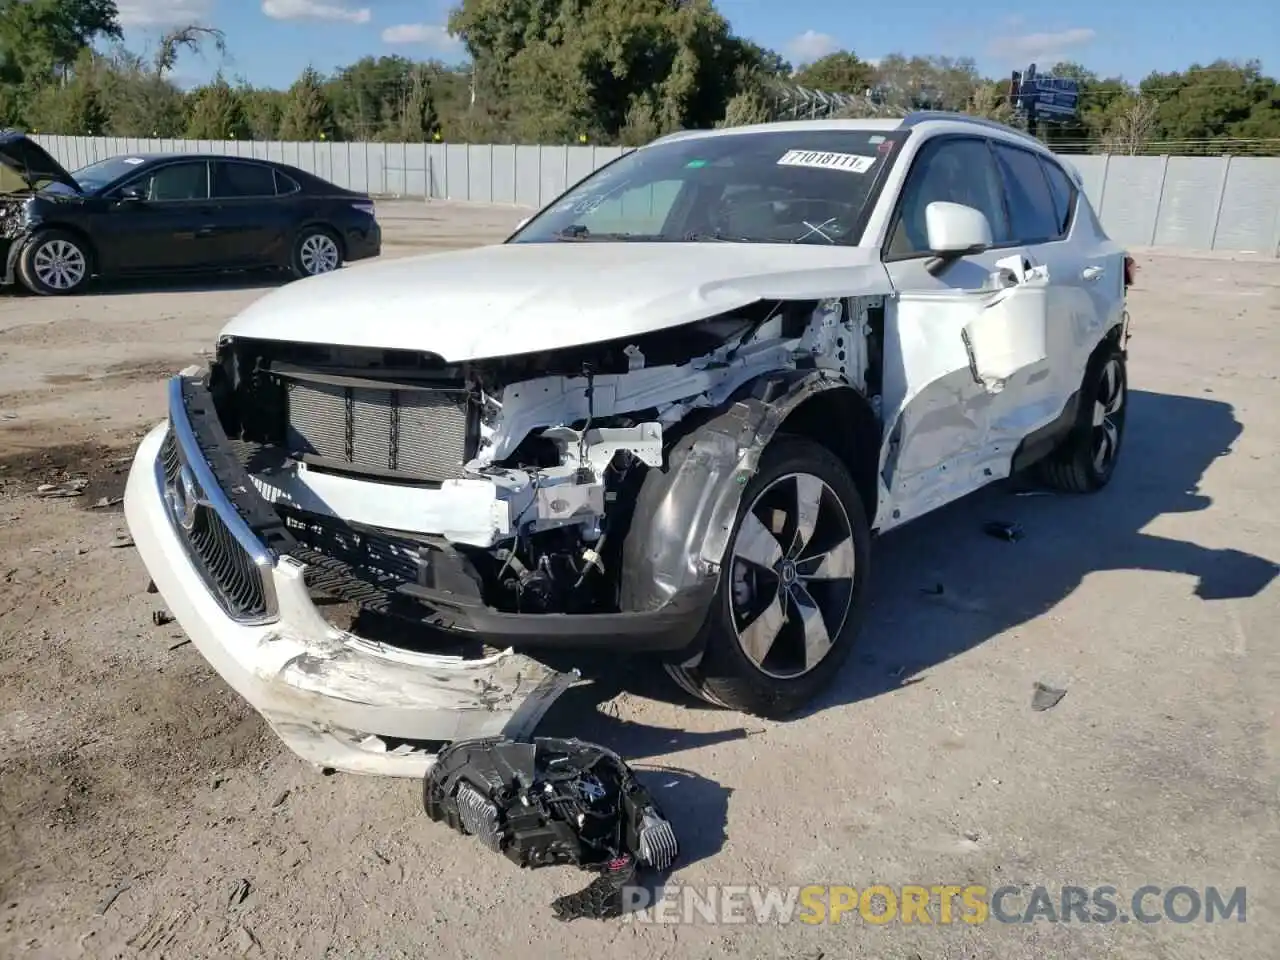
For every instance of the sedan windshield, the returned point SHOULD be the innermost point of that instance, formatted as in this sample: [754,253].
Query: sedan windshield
[97,175]
[776,187]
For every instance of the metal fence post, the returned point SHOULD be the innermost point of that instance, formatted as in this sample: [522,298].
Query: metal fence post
[1222,193]
[1102,190]
[1155,224]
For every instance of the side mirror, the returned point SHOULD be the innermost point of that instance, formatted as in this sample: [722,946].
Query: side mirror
[131,195]
[955,230]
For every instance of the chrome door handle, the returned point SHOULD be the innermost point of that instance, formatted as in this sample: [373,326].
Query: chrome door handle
[1092,273]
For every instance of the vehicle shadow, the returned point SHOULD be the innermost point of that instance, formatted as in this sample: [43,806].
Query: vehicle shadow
[941,585]
[189,283]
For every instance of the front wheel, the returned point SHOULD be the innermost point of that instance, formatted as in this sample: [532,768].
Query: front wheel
[54,262]
[315,251]
[789,603]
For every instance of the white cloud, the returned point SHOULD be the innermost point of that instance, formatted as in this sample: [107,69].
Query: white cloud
[1040,48]
[811,46]
[163,13]
[311,10]
[437,39]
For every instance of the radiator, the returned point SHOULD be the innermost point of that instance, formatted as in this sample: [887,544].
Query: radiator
[414,433]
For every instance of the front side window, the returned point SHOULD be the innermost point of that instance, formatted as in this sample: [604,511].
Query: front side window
[789,187]
[233,180]
[954,171]
[1031,211]
[177,181]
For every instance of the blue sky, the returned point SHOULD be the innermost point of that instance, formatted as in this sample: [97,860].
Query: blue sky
[270,41]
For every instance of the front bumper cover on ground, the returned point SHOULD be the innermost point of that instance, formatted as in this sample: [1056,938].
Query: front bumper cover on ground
[335,699]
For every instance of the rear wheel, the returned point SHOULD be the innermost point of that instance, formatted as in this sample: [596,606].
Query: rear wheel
[316,251]
[790,598]
[1086,459]
[54,262]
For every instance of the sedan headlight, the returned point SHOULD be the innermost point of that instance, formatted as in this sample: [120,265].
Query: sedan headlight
[364,207]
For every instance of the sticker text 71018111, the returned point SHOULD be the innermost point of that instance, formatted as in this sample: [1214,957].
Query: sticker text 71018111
[823,160]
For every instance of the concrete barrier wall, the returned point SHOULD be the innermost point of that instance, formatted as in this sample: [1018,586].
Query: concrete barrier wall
[1206,203]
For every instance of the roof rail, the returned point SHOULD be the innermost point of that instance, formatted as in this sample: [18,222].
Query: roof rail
[923,116]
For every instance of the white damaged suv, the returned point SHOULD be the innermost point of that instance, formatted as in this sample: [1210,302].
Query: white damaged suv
[665,417]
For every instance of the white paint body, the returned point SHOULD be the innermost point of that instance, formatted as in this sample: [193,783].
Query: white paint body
[974,359]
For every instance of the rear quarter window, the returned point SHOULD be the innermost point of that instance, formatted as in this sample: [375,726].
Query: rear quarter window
[1064,193]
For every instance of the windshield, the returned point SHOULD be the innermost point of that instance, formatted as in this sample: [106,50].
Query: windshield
[776,187]
[97,175]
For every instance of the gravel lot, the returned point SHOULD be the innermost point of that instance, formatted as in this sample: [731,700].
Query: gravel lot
[128,770]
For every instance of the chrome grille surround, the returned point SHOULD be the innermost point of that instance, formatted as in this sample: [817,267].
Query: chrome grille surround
[233,562]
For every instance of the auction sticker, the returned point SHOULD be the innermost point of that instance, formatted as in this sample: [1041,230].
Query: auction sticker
[821,160]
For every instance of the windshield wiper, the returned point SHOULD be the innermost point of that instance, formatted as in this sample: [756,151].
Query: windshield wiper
[578,232]
[697,237]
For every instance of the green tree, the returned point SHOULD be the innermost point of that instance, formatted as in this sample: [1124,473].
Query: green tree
[78,106]
[556,69]
[840,72]
[1214,102]
[308,114]
[217,113]
[263,110]
[39,37]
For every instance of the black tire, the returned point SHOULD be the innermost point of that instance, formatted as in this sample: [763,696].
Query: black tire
[726,675]
[309,242]
[55,263]
[1078,464]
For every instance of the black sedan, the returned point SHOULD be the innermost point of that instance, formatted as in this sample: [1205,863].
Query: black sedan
[160,214]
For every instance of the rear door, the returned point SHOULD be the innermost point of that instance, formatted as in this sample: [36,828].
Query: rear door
[252,223]
[172,227]
[1091,272]
[962,344]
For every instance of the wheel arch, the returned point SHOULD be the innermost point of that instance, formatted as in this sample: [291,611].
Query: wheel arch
[324,225]
[81,234]
[690,507]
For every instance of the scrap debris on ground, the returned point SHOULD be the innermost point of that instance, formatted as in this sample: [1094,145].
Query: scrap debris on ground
[554,801]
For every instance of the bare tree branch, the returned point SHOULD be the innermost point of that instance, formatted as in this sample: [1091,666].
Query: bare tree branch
[190,37]
[1132,128]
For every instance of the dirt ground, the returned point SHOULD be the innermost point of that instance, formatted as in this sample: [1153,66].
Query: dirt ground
[145,811]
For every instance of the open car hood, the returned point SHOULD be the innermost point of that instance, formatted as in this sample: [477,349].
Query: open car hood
[32,164]
[520,298]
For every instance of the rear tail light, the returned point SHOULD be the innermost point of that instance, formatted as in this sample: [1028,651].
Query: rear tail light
[365,206]
[1130,271]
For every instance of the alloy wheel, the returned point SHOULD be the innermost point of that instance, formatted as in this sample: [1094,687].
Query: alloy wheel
[793,569]
[318,254]
[59,265]
[1108,416]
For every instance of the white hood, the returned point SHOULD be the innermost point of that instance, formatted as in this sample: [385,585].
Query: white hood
[528,297]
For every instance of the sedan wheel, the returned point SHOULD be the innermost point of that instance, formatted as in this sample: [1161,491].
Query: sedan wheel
[54,263]
[789,602]
[317,253]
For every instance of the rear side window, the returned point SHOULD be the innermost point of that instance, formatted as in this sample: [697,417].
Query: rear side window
[1032,213]
[1064,193]
[243,180]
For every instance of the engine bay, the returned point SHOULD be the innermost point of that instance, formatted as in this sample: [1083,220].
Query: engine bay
[509,482]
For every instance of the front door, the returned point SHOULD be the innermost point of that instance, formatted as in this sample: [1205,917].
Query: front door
[965,347]
[170,226]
